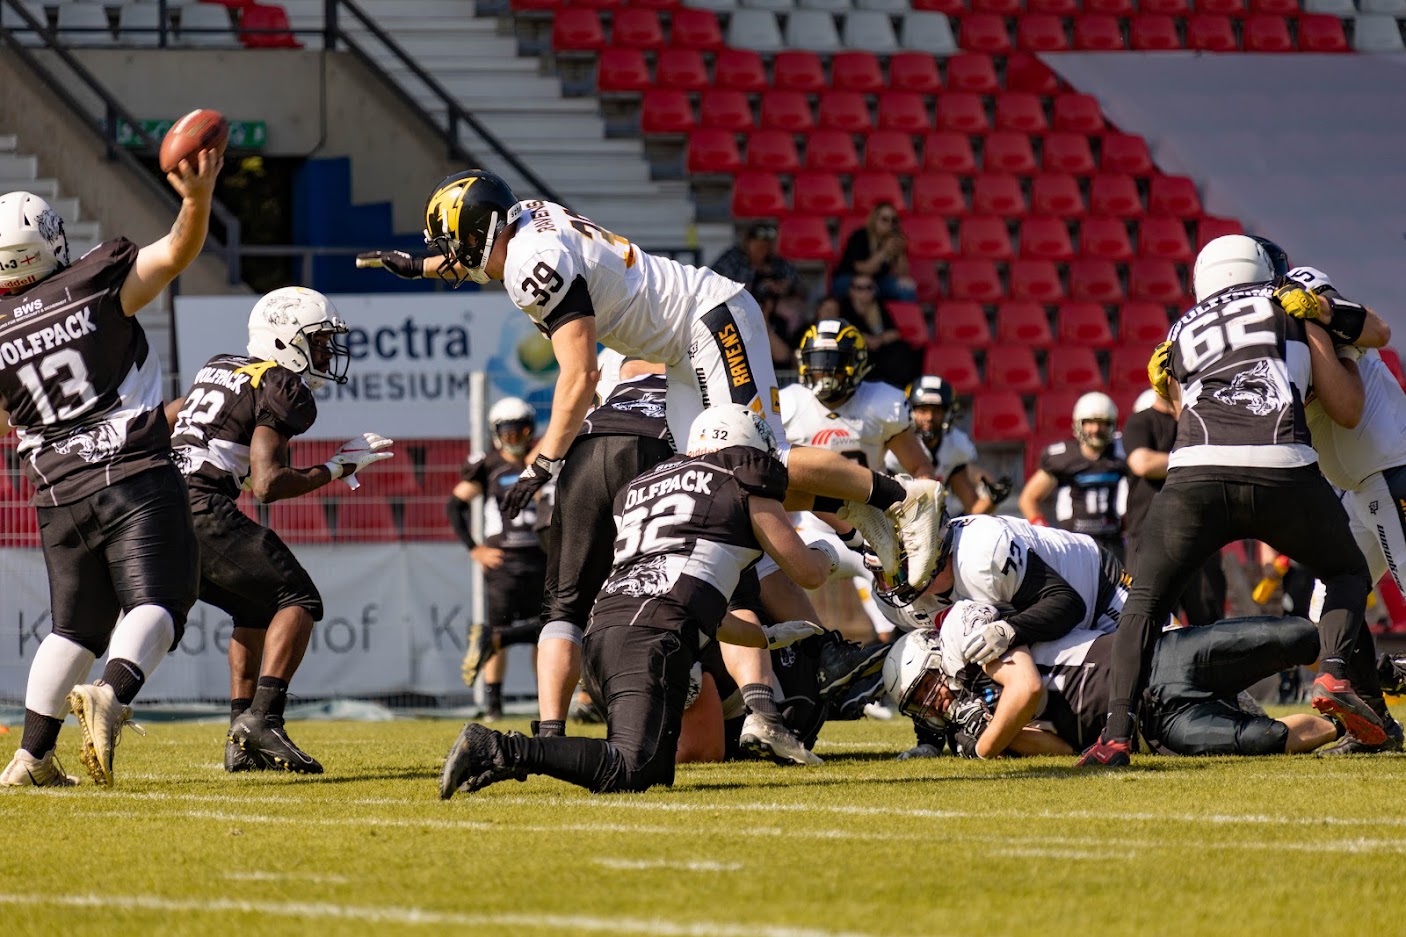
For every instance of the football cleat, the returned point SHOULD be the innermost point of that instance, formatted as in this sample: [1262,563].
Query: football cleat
[237,759]
[1392,672]
[843,662]
[852,703]
[768,737]
[584,711]
[1347,745]
[1336,699]
[479,652]
[921,750]
[262,736]
[101,718]
[877,531]
[1107,753]
[477,759]
[918,521]
[24,770]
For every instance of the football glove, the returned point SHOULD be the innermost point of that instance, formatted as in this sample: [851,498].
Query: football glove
[988,642]
[1157,374]
[531,481]
[403,264]
[357,454]
[1299,302]
[785,633]
[827,549]
[968,717]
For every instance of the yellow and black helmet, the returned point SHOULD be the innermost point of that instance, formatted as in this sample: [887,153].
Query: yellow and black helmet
[832,360]
[462,218]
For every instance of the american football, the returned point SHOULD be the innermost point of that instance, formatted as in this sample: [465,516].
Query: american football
[200,129]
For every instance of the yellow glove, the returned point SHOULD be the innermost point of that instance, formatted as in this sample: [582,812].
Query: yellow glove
[1299,302]
[1157,373]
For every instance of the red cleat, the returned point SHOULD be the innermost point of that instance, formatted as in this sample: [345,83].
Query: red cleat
[1336,699]
[1107,753]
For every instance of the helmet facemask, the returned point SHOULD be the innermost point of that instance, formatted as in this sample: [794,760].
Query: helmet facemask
[328,359]
[463,218]
[830,374]
[514,436]
[464,259]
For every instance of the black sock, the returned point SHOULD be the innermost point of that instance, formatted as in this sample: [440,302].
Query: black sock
[270,697]
[41,733]
[125,678]
[1120,720]
[759,699]
[886,492]
[493,698]
[549,728]
[237,707]
[824,505]
[1334,667]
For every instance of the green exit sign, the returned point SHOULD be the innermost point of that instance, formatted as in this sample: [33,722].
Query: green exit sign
[243,134]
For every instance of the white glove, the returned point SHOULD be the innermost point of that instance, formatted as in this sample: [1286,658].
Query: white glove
[988,642]
[785,633]
[964,627]
[827,549]
[851,564]
[357,454]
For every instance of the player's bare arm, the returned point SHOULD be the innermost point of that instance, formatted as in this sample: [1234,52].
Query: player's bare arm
[574,345]
[1148,463]
[1021,692]
[173,412]
[4,421]
[910,453]
[1040,486]
[162,261]
[964,488]
[1336,383]
[271,477]
[808,568]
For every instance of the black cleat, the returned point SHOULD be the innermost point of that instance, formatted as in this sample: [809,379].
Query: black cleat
[237,759]
[262,735]
[1391,669]
[843,662]
[477,759]
[1347,745]
[849,703]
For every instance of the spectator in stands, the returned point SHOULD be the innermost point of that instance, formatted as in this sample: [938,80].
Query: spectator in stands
[878,251]
[891,358]
[773,281]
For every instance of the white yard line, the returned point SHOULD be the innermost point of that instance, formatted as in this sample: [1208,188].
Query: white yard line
[643,865]
[256,876]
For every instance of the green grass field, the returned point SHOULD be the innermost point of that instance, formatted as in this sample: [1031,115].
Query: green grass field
[863,845]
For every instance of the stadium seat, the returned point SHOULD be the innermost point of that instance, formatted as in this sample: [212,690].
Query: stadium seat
[1078,113]
[928,238]
[577,29]
[1234,9]
[1389,7]
[713,151]
[892,7]
[1022,112]
[890,151]
[1127,367]
[805,238]
[1011,8]
[975,280]
[758,195]
[1374,33]
[962,112]
[1268,34]
[1098,32]
[984,32]
[955,364]
[905,111]
[997,194]
[1042,32]
[811,29]
[1154,280]
[1054,7]
[424,520]
[1106,238]
[948,151]
[949,7]
[1084,325]
[927,280]
[908,71]
[1036,281]
[1177,8]
[1054,409]
[859,71]
[1289,8]
[1044,238]
[786,110]
[938,194]
[364,520]
[1114,196]
[636,28]
[266,27]
[818,193]
[984,237]
[301,520]
[971,71]
[1113,7]
[831,151]
[1173,195]
[1073,366]
[739,70]
[908,319]
[927,32]
[1165,238]
[797,71]
[593,4]
[1142,324]
[1056,194]
[757,29]
[1094,280]
[725,110]
[1068,153]
[772,151]
[1153,32]
[695,29]
[1211,228]
[1321,34]
[666,110]
[1206,33]
[962,323]
[999,416]
[868,189]
[1023,323]
[871,30]
[1025,72]
[1013,368]
[623,70]
[1008,151]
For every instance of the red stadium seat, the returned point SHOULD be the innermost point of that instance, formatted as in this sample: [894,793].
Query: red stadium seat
[984,32]
[365,520]
[1289,8]
[1025,72]
[1112,7]
[1041,32]
[972,71]
[1231,8]
[845,110]
[758,195]
[1045,239]
[1071,366]
[927,280]
[901,110]
[1143,324]
[999,416]
[818,193]
[666,110]
[1084,325]
[1106,238]
[1023,323]
[424,520]
[724,109]
[908,319]
[1268,34]
[1053,7]
[1206,33]
[928,238]
[1393,363]
[636,28]
[1211,228]
[797,71]
[301,520]
[950,7]
[738,69]
[695,29]
[266,27]
[1054,409]
[955,364]
[713,151]
[890,151]
[984,237]
[831,151]
[1173,195]
[964,324]
[908,71]
[975,280]
[622,70]
[658,4]
[805,238]
[1008,151]
[948,151]
[786,110]
[1094,280]
[1322,33]
[849,224]
[577,29]
[997,194]
[1010,8]
[1165,238]
[772,151]
[1114,196]
[1013,368]
[1098,32]
[1017,110]
[1154,280]
[962,112]
[858,71]
[1126,153]
[868,189]
[1078,113]
[1036,281]
[1055,194]
[1127,367]
[938,194]
[684,69]
[1068,153]
[1177,8]
[599,4]
[1153,32]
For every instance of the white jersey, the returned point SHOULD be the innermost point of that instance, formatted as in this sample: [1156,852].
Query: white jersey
[643,305]
[955,451]
[860,428]
[1378,441]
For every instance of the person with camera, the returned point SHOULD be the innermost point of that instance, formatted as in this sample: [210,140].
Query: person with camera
[878,251]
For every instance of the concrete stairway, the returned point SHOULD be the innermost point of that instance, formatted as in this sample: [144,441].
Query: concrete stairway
[19,172]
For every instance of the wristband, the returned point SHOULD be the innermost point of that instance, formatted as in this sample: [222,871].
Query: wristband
[1348,321]
[335,469]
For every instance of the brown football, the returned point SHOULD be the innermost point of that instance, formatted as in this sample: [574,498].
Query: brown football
[198,130]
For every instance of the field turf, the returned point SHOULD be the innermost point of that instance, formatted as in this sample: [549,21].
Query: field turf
[864,845]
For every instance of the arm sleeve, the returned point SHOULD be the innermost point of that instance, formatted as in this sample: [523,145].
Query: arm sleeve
[457,510]
[1050,607]
[475,471]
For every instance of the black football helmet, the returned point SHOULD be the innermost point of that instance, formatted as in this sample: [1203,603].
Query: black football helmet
[832,360]
[932,391]
[464,215]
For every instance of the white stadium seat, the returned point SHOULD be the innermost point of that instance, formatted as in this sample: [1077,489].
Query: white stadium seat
[927,32]
[1389,7]
[754,29]
[1377,33]
[870,30]
[813,30]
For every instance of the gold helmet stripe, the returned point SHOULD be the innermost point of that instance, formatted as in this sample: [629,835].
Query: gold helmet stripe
[445,205]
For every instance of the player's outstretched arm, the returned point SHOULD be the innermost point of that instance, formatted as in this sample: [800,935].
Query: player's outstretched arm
[403,264]
[271,478]
[1021,692]
[809,567]
[162,261]
[1040,486]
[911,455]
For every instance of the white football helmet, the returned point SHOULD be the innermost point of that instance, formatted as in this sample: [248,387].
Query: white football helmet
[32,241]
[1145,400]
[1230,260]
[1095,406]
[515,415]
[297,328]
[729,424]
[913,676]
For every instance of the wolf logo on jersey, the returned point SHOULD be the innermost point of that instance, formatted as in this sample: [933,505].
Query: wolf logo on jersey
[652,577]
[1255,389]
[94,443]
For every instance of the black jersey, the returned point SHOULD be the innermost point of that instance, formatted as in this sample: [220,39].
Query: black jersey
[1244,370]
[494,475]
[230,396]
[1076,671]
[81,384]
[1092,493]
[1147,429]
[684,538]
[636,407]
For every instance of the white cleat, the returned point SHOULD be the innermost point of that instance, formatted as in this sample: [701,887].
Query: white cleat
[101,717]
[877,531]
[769,738]
[918,521]
[24,770]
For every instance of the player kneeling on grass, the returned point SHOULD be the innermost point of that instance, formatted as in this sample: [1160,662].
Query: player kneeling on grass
[687,529]
[1051,698]
[231,430]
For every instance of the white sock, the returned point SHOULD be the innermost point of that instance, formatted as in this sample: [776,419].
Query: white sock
[143,636]
[59,665]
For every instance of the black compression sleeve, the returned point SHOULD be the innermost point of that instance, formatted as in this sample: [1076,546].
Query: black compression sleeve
[1348,321]
[576,304]
[457,510]
[1050,608]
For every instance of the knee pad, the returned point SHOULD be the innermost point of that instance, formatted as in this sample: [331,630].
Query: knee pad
[561,630]
[1262,736]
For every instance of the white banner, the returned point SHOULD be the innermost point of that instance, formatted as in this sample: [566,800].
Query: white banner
[411,358]
[395,622]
